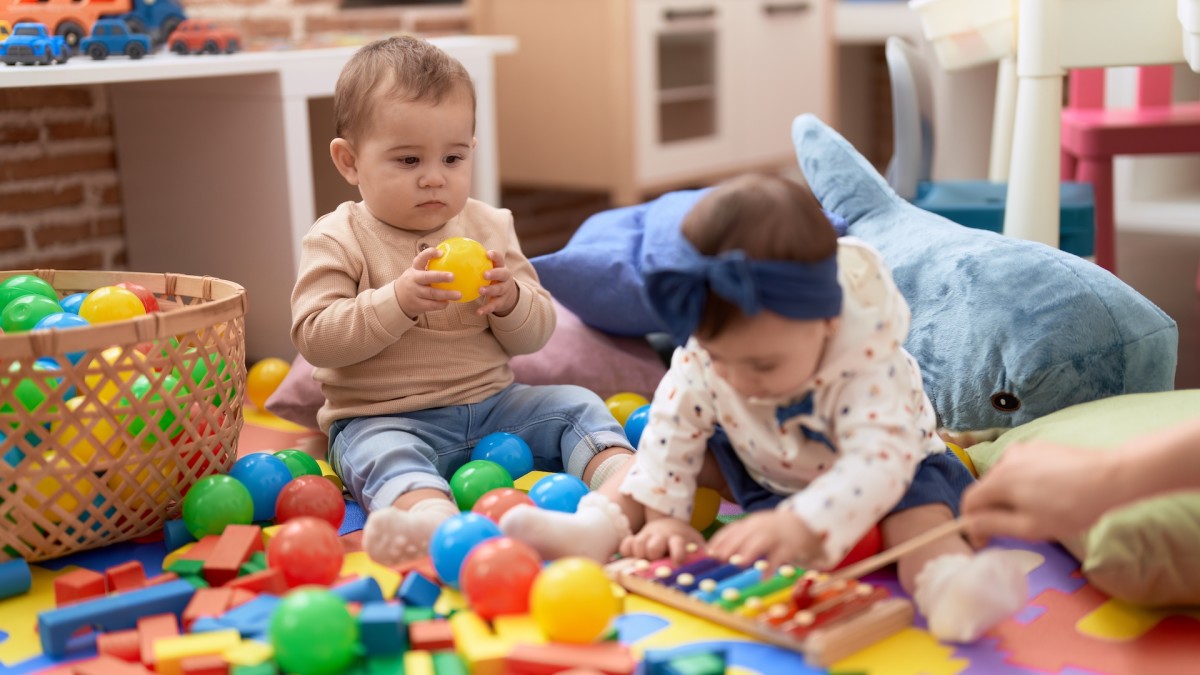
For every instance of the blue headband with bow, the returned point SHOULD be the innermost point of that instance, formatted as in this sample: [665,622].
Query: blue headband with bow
[795,290]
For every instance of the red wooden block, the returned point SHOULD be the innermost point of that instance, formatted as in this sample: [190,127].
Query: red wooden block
[269,580]
[77,585]
[161,579]
[422,565]
[430,636]
[234,547]
[128,576]
[204,664]
[240,596]
[609,658]
[206,602]
[122,644]
[108,665]
[201,549]
[154,628]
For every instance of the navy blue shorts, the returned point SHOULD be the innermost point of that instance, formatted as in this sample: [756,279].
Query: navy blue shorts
[940,479]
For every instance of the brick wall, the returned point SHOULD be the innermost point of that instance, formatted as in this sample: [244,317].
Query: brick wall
[60,198]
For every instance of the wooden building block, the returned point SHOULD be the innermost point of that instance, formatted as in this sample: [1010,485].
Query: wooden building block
[125,645]
[78,585]
[418,663]
[169,653]
[151,629]
[109,665]
[206,602]
[234,547]
[269,581]
[205,664]
[128,576]
[430,636]
[609,658]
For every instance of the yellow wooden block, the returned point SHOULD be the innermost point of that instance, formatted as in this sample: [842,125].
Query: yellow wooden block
[419,663]
[482,650]
[449,601]
[269,532]
[519,629]
[525,482]
[170,652]
[358,563]
[327,471]
[249,653]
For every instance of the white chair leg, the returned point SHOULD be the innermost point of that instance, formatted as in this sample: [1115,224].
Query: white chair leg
[1032,209]
[1003,119]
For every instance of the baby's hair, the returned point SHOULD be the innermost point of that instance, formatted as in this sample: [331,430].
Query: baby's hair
[404,68]
[767,216]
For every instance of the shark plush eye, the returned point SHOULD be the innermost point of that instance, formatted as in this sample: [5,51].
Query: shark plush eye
[1005,402]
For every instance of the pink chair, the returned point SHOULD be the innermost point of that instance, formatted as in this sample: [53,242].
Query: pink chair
[1093,134]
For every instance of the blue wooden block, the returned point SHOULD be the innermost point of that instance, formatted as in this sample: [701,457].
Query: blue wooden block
[175,534]
[207,624]
[251,618]
[112,612]
[15,578]
[382,629]
[418,591]
[362,590]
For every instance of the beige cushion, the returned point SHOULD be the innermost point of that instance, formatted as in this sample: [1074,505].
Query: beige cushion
[1145,552]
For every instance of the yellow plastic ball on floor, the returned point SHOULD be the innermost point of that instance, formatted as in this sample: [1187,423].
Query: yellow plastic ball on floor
[467,260]
[572,600]
[264,378]
[708,505]
[623,404]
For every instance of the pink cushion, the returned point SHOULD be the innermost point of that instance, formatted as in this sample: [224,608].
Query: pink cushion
[575,354]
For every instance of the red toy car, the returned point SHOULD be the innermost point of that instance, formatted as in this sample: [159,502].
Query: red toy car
[196,36]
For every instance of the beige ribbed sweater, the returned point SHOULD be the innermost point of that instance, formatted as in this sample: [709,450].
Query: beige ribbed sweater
[371,358]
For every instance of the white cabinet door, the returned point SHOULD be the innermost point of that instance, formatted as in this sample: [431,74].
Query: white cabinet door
[684,116]
[781,67]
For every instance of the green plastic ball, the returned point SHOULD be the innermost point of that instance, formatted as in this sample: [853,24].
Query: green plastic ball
[24,284]
[299,463]
[23,313]
[313,633]
[204,373]
[475,479]
[28,392]
[168,421]
[215,502]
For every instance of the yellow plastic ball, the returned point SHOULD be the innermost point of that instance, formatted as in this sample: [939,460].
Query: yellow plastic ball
[467,260]
[708,505]
[89,435]
[125,364]
[623,404]
[572,600]
[109,303]
[264,378]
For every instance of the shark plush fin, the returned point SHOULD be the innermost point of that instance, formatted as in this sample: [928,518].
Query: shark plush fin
[830,163]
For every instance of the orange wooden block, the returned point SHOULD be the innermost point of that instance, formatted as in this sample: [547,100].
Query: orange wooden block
[205,664]
[122,644]
[430,636]
[201,549]
[153,628]
[234,547]
[206,602]
[610,658]
[239,596]
[108,665]
[269,580]
[128,576]
[161,579]
[77,585]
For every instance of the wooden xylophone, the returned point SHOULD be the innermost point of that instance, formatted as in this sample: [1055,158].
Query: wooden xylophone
[807,612]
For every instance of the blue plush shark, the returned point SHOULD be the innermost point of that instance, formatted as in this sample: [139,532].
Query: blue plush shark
[1005,330]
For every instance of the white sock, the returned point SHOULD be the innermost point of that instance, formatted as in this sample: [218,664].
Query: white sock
[963,596]
[607,469]
[595,530]
[392,536]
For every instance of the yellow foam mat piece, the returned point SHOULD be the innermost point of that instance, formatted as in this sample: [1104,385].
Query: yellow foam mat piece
[358,563]
[269,420]
[18,616]
[910,652]
[525,482]
[681,628]
[1121,621]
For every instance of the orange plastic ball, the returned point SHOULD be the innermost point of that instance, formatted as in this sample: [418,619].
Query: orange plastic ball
[467,260]
[109,303]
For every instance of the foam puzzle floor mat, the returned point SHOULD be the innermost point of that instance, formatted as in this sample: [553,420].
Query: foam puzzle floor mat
[1067,626]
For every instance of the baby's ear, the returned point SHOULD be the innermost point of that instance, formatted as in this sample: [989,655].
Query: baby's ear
[342,154]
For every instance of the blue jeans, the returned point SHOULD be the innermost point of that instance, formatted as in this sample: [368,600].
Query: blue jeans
[381,458]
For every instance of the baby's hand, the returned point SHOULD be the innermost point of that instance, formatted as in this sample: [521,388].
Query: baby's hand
[778,535]
[660,537]
[502,293]
[413,290]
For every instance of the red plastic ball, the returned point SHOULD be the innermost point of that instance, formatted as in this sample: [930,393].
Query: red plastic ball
[307,551]
[497,576]
[149,301]
[314,496]
[495,503]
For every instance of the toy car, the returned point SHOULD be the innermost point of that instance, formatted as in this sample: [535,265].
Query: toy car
[32,43]
[195,36]
[112,36]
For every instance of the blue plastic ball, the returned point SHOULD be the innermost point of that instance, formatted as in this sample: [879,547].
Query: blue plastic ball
[635,424]
[264,475]
[508,450]
[72,302]
[63,321]
[558,492]
[454,539]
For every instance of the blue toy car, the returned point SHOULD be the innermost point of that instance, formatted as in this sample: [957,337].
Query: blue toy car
[112,36]
[30,43]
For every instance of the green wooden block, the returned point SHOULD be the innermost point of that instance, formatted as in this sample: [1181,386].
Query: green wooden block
[250,567]
[392,664]
[264,668]
[259,558]
[448,663]
[185,568]
[696,664]
[413,614]
[195,580]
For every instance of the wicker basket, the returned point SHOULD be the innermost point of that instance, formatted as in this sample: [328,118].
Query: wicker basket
[155,403]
